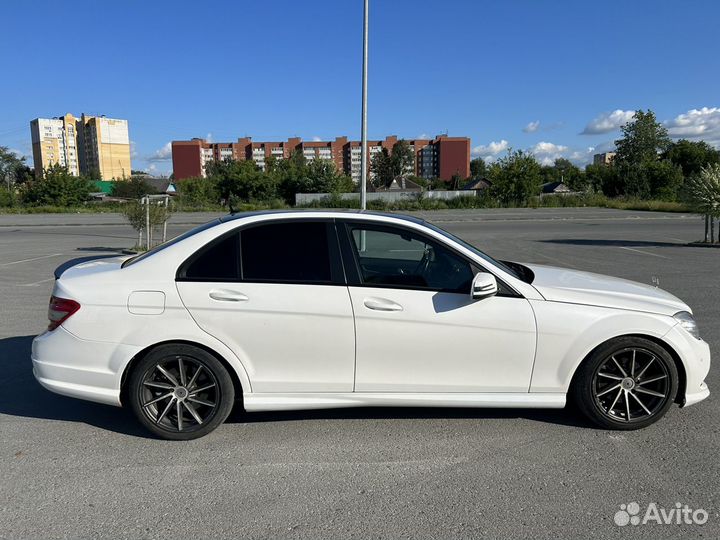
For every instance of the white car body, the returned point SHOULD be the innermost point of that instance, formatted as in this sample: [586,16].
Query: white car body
[293,346]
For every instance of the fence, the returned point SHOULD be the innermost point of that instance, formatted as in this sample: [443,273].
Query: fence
[389,196]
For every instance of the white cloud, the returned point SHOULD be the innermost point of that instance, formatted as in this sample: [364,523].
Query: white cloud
[489,151]
[133,149]
[547,152]
[607,122]
[532,127]
[163,154]
[423,136]
[697,124]
[316,138]
[209,137]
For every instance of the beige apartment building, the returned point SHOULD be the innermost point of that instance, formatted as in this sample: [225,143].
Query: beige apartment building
[93,145]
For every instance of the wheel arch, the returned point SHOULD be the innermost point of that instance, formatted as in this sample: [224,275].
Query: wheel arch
[680,366]
[237,384]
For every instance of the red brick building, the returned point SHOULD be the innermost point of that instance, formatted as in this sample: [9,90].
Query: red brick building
[442,157]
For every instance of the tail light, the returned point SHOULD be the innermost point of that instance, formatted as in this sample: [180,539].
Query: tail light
[59,310]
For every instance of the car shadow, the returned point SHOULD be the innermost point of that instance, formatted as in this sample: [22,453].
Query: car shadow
[21,395]
[562,417]
[617,243]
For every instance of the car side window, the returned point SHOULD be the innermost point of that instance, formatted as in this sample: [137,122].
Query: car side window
[296,252]
[218,261]
[396,258]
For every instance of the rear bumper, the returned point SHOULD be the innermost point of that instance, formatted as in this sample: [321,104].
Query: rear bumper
[84,369]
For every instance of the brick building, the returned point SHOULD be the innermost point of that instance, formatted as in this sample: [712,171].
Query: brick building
[441,157]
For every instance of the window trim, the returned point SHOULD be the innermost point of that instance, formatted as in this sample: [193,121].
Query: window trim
[337,273]
[354,278]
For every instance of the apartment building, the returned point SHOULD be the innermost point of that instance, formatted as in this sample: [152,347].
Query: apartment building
[605,158]
[441,157]
[94,145]
[55,142]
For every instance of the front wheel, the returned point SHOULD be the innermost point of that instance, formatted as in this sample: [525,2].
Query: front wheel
[180,392]
[626,383]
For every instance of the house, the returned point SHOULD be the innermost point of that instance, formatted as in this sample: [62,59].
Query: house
[477,185]
[554,188]
[400,183]
[162,185]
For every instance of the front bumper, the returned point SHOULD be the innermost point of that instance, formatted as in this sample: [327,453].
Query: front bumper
[695,356]
[84,369]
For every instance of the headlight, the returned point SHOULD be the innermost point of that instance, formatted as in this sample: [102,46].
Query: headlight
[687,321]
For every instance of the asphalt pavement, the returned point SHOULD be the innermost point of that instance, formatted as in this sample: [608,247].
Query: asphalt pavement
[74,469]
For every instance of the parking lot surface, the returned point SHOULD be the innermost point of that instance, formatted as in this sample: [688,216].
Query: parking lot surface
[76,469]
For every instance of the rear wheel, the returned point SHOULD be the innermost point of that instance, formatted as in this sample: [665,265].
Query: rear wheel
[180,392]
[626,383]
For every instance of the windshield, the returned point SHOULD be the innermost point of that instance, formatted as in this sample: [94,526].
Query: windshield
[173,241]
[503,266]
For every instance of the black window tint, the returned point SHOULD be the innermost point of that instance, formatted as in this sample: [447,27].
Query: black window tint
[294,252]
[403,259]
[219,261]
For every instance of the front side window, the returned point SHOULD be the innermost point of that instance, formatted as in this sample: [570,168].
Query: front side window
[286,252]
[397,258]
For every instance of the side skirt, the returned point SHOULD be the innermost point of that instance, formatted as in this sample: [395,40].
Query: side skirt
[302,401]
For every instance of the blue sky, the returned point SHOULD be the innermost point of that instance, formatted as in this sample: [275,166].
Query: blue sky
[554,77]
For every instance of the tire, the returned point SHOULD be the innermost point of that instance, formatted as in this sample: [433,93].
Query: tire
[626,383]
[180,392]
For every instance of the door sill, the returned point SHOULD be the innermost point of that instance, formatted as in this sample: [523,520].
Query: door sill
[303,401]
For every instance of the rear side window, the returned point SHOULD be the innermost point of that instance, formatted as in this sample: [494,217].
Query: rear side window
[286,252]
[219,261]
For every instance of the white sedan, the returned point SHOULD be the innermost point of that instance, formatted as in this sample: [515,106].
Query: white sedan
[305,310]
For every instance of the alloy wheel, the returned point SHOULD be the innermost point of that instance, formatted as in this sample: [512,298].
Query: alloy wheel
[179,394]
[631,385]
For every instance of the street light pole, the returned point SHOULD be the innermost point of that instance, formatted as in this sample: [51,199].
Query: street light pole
[363,137]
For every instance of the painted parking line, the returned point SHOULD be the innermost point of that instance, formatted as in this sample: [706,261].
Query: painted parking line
[36,282]
[31,259]
[643,252]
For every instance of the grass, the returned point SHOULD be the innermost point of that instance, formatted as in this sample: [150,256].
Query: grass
[417,203]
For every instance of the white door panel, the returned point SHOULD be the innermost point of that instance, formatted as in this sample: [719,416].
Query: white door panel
[291,338]
[424,341]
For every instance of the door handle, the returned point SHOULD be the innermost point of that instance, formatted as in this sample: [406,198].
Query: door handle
[225,295]
[382,304]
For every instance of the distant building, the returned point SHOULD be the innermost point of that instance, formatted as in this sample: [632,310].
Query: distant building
[603,159]
[442,157]
[477,184]
[55,142]
[92,145]
[554,188]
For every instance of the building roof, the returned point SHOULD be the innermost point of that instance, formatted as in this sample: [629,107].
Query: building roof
[477,184]
[400,183]
[555,187]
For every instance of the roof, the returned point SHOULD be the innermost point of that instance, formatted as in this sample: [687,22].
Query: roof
[477,184]
[401,183]
[554,187]
[162,185]
[341,213]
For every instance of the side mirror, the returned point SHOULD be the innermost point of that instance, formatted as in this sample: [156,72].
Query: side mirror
[484,285]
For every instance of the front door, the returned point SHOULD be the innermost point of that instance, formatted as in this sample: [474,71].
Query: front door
[274,293]
[417,328]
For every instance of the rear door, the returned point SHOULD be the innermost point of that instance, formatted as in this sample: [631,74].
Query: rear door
[275,293]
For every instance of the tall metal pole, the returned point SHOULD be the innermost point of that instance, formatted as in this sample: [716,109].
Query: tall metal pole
[364,150]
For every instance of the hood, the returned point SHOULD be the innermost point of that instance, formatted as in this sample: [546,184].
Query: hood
[576,287]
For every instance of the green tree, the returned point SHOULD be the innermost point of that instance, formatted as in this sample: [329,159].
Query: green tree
[704,193]
[198,191]
[515,178]
[58,187]
[13,172]
[691,156]
[132,188]
[478,168]
[604,179]
[243,179]
[570,174]
[386,166]
[643,138]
